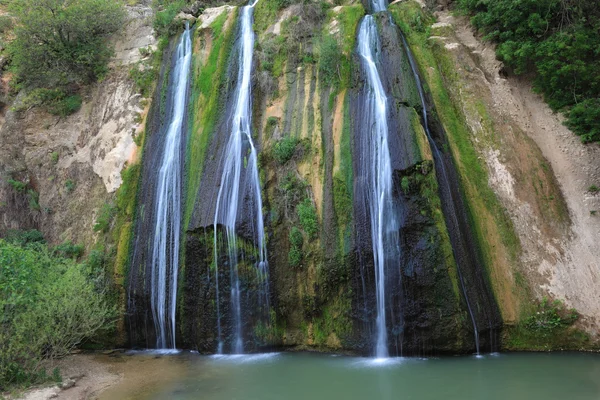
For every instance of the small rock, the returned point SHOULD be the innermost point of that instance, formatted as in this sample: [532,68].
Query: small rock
[67,384]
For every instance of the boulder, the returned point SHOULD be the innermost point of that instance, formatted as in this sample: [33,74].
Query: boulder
[183,17]
[194,9]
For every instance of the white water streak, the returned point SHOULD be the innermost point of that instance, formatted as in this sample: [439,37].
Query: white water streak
[226,214]
[165,254]
[377,166]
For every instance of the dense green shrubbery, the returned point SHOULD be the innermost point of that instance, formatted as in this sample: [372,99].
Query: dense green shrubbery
[48,304]
[296,242]
[558,41]
[62,42]
[164,22]
[330,59]
[60,45]
[307,214]
[284,150]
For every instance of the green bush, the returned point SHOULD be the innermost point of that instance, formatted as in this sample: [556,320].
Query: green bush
[104,218]
[24,238]
[295,257]
[584,120]
[69,250]
[34,200]
[330,60]
[143,77]
[49,305]
[284,150]
[63,42]
[550,317]
[55,101]
[70,185]
[558,42]
[296,242]
[164,22]
[17,185]
[307,214]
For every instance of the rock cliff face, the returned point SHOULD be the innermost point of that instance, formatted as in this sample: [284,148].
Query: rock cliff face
[72,166]
[521,176]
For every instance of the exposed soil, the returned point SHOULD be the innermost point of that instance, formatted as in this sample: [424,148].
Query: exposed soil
[108,376]
[532,157]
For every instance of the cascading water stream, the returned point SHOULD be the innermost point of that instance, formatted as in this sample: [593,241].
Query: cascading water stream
[239,146]
[377,169]
[441,169]
[165,253]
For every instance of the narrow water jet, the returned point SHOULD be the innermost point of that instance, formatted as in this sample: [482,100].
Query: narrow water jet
[240,158]
[167,213]
[463,250]
[375,164]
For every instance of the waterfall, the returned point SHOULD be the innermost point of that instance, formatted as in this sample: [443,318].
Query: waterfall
[240,157]
[378,5]
[375,164]
[463,255]
[167,213]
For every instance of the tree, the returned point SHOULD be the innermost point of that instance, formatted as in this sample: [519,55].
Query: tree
[48,305]
[61,43]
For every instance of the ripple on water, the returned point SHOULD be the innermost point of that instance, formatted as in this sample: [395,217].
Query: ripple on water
[244,358]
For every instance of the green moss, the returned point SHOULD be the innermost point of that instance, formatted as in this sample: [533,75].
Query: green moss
[441,71]
[205,105]
[334,319]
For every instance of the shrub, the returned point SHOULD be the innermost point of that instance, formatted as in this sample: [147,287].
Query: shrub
[63,42]
[69,250]
[550,317]
[17,185]
[24,238]
[307,214]
[55,101]
[69,185]
[284,150]
[330,59]
[296,242]
[296,238]
[557,42]
[594,189]
[143,77]
[34,199]
[104,218]
[584,120]
[294,257]
[48,305]
[164,22]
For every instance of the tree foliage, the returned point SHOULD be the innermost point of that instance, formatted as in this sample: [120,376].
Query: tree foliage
[48,305]
[556,40]
[63,42]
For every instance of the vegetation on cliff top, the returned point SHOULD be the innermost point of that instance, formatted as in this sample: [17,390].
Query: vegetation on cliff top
[557,41]
[59,46]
